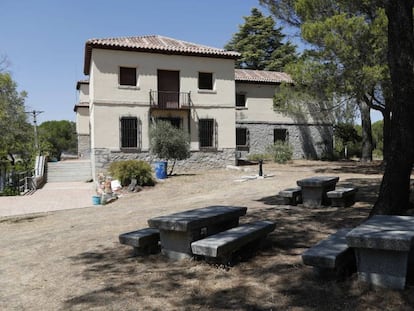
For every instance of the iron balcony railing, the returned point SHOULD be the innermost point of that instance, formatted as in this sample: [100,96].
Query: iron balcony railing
[169,100]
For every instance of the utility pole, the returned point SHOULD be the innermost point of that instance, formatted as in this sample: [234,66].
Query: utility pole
[34,114]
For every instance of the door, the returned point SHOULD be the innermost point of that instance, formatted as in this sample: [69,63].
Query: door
[168,89]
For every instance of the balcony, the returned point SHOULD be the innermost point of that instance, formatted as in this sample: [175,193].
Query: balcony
[169,100]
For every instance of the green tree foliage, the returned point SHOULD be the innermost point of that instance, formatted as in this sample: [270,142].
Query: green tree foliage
[378,138]
[169,143]
[261,45]
[347,140]
[16,137]
[347,60]
[56,137]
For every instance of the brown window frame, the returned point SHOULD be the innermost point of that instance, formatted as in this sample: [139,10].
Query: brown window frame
[205,81]
[240,100]
[128,76]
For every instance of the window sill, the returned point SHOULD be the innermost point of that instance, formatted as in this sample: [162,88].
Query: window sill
[207,92]
[128,87]
[130,150]
[242,148]
[241,108]
[208,149]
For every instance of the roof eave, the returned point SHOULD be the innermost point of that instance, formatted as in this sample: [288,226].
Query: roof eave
[90,46]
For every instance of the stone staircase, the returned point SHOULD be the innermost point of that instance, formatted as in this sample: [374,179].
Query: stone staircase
[69,171]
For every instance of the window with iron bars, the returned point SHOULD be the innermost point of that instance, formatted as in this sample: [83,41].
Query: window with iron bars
[207,131]
[280,134]
[242,137]
[129,132]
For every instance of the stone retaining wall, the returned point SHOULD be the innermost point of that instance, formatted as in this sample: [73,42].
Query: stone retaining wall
[199,159]
[84,146]
[308,141]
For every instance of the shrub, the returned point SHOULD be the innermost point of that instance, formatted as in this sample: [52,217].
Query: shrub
[280,151]
[127,170]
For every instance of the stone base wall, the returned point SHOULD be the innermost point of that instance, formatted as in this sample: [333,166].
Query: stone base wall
[308,141]
[102,158]
[84,146]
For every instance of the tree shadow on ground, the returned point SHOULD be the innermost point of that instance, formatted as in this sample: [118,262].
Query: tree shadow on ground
[353,167]
[275,278]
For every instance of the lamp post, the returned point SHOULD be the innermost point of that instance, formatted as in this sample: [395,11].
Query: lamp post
[34,114]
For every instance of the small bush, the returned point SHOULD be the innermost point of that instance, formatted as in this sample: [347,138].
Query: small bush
[127,170]
[280,151]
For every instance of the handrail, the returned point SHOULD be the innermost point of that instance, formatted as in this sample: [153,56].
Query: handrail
[169,99]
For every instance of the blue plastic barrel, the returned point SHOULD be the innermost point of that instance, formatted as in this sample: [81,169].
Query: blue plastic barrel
[161,169]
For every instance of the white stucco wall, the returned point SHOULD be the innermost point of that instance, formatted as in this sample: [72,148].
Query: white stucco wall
[259,104]
[83,93]
[82,120]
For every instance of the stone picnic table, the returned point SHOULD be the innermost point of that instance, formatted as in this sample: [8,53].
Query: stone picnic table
[179,230]
[314,189]
[382,246]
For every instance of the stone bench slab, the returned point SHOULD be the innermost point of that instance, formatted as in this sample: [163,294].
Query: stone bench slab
[291,196]
[342,197]
[144,240]
[227,242]
[332,254]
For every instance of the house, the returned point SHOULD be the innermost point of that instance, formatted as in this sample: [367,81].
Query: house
[135,81]
[259,125]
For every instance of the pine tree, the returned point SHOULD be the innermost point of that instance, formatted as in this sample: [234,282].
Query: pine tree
[261,44]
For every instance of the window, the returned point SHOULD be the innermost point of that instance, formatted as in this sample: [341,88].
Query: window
[127,76]
[206,133]
[242,137]
[279,134]
[129,133]
[240,100]
[205,81]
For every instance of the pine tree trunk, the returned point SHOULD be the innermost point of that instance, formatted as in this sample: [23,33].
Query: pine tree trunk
[386,134]
[367,146]
[395,187]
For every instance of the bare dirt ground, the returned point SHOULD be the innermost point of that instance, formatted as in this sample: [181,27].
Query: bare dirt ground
[72,260]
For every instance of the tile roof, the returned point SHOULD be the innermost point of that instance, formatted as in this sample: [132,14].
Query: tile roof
[154,44]
[261,76]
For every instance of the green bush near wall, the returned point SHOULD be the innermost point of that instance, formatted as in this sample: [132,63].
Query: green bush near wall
[280,151]
[127,170]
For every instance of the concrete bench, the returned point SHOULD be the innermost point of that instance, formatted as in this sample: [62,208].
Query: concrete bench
[342,197]
[332,257]
[144,241]
[223,245]
[291,196]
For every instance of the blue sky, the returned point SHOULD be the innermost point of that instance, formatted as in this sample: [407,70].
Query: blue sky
[44,40]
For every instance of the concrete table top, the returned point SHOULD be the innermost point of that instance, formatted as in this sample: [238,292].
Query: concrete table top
[383,232]
[196,218]
[317,181]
